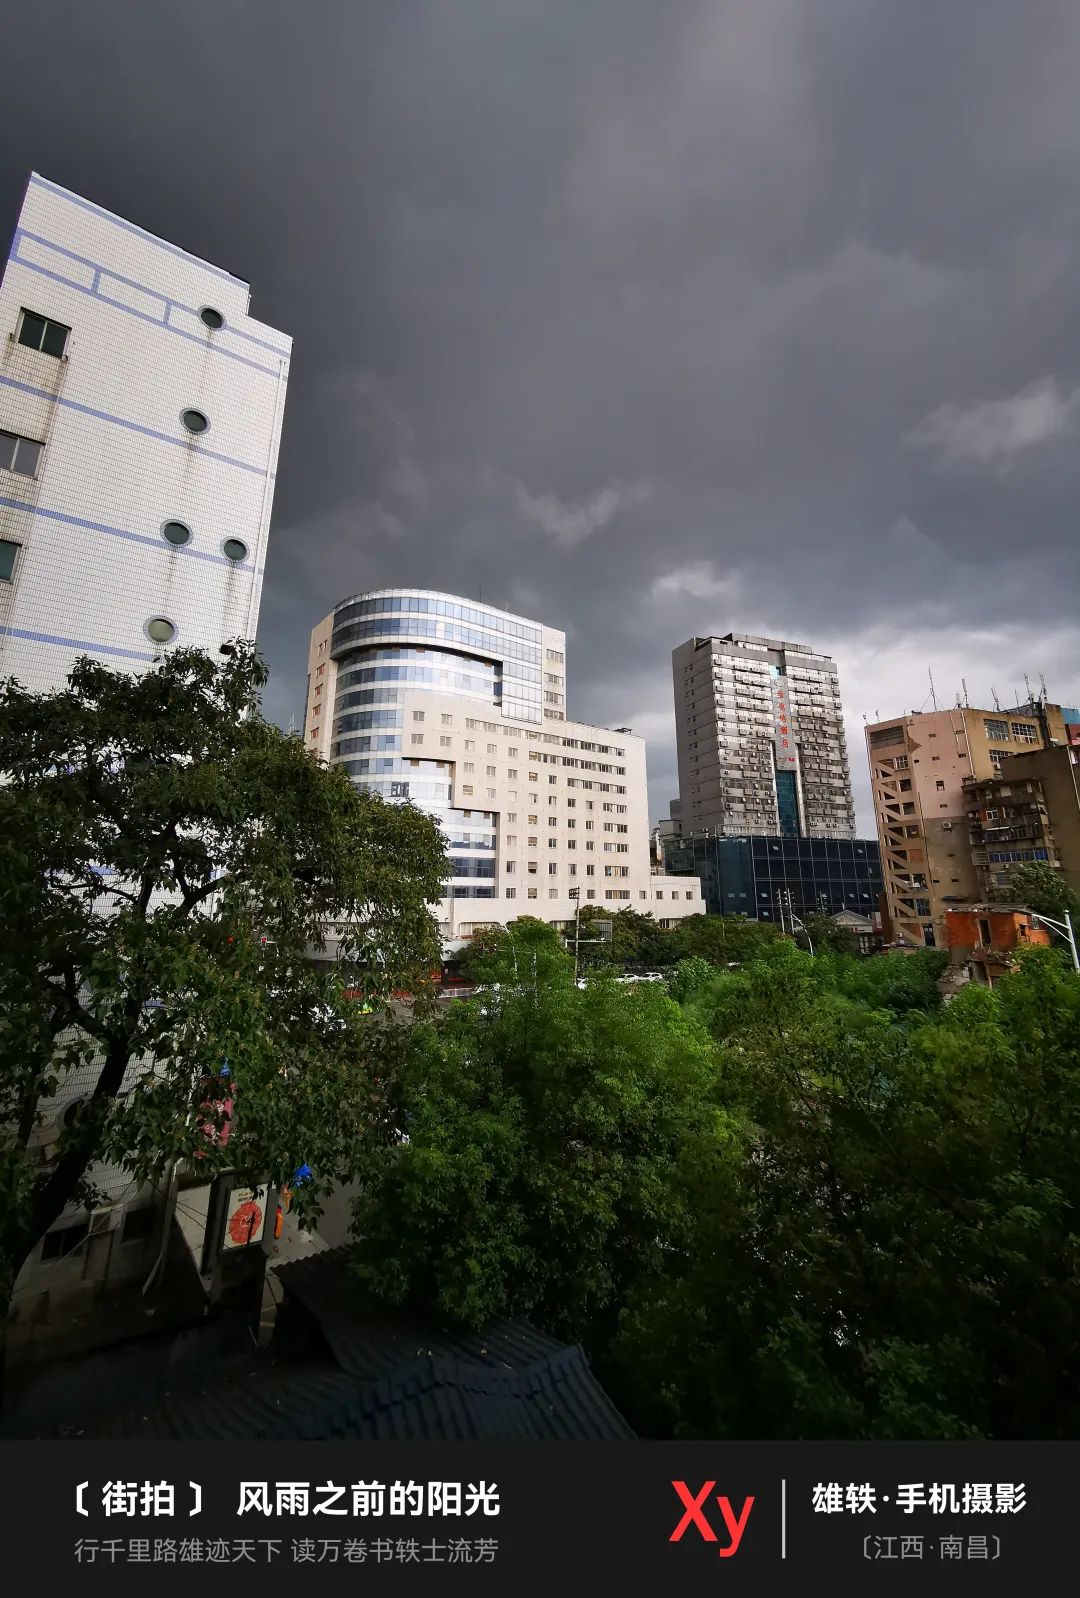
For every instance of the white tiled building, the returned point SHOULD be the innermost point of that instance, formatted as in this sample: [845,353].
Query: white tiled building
[140,415]
[461,708]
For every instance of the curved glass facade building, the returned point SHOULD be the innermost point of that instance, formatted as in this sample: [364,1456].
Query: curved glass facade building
[460,708]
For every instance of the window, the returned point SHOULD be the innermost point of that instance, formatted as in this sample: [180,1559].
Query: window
[417,737]
[510,867]
[469,766]
[56,1245]
[992,815]
[984,932]
[211,318]
[532,868]
[553,868]
[18,454]
[533,777]
[511,817]
[8,552]
[160,630]
[590,871]
[194,421]
[511,776]
[234,549]
[553,893]
[512,754]
[939,783]
[470,743]
[553,821]
[138,1224]
[532,893]
[553,843]
[590,893]
[40,333]
[447,719]
[466,788]
[659,893]
[493,749]
[996,729]
[418,715]
[1024,732]
[444,741]
[553,779]
[511,893]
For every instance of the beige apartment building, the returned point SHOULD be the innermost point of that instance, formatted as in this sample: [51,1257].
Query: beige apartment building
[922,768]
[460,708]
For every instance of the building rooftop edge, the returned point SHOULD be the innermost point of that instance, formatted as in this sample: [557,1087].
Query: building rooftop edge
[134,227]
[440,593]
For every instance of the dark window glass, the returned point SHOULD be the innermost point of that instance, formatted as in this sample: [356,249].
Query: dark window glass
[19,454]
[38,333]
[55,1245]
[176,533]
[32,330]
[211,318]
[54,339]
[8,552]
[194,421]
[234,548]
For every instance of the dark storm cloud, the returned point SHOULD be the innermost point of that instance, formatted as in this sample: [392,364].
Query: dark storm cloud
[647,319]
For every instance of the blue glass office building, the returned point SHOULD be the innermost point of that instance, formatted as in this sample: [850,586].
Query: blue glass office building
[749,876]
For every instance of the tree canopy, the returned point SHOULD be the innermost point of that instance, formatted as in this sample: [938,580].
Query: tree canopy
[168,863]
[808,1200]
[1041,887]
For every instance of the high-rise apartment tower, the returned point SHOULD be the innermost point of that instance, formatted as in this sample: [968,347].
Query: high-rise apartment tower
[760,740]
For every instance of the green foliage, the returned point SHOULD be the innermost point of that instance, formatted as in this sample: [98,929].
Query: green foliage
[690,979]
[850,1214]
[526,952]
[546,1155]
[154,831]
[905,1260]
[722,940]
[1038,886]
[826,935]
[636,940]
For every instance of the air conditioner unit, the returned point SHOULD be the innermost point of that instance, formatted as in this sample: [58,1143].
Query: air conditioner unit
[946,826]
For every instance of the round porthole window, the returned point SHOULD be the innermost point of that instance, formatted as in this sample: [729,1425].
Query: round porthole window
[211,318]
[160,631]
[194,421]
[234,549]
[176,533]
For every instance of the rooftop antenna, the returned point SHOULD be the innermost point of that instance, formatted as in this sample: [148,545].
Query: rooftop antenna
[1027,686]
[994,697]
[1042,685]
[963,684]
[933,695]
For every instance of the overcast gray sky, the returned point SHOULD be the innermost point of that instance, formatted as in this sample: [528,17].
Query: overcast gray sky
[647,317]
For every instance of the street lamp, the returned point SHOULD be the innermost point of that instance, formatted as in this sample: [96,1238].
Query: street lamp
[1065,928]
